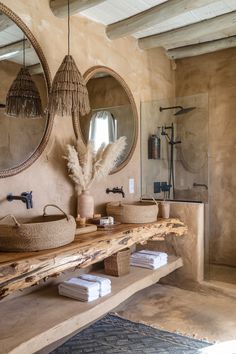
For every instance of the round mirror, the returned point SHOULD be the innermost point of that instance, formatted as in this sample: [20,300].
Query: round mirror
[113,112]
[22,137]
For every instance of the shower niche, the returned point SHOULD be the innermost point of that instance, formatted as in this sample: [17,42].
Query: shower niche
[180,128]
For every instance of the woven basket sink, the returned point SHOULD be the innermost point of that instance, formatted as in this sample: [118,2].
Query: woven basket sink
[133,213]
[36,233]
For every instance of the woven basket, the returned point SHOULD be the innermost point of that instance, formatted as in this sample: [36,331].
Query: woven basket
[130,213]
[38,233]
[118,264]
[115,209]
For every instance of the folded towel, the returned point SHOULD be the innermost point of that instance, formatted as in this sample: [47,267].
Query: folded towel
[96,278]
[104,283]
[148,260]
[149,256]
[147,265]
[81,284]
[75,295]
[154,253]
[105,292]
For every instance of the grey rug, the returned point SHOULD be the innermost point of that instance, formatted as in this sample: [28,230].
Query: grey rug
[113,334]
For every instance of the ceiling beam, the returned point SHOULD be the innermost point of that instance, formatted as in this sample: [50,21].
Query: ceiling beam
[190,34]
[60,7]
[203,48]
[5,22]
[153,16]
[10,50]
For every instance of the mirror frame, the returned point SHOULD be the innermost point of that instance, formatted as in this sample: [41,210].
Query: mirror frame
[87,76]
[40,148]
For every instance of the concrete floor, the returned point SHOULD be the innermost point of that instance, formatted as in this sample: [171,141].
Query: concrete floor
[201,315]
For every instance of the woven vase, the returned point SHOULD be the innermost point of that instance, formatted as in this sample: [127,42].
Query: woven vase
[85,205]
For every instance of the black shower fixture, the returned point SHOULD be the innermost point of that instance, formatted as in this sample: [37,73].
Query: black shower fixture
[181,109]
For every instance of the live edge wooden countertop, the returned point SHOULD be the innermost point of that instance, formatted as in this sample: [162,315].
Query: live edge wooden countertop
[21,270]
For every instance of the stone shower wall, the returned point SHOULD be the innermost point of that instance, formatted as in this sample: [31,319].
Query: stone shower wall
[215,74]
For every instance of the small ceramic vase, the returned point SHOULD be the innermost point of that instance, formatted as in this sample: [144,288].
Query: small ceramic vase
[85,205]
[165,210]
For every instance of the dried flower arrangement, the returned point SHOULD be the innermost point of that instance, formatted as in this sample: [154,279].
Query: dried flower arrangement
[86,166]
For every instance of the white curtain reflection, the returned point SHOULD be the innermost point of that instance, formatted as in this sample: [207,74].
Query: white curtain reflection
[102,129]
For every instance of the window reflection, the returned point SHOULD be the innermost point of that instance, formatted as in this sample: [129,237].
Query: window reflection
[102,129]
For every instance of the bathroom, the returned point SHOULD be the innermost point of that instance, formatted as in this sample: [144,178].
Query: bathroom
[204,163]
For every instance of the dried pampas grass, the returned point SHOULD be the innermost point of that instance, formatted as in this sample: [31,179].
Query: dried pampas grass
[86,166]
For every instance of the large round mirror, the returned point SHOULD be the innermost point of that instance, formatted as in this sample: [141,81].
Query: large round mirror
[113,112]
[22,138]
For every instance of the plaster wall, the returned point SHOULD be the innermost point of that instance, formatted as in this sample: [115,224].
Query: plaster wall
[215,74]
[190,247]
[147,73]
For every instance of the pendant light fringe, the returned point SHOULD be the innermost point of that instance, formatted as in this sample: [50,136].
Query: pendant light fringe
[23,99]
[69,94]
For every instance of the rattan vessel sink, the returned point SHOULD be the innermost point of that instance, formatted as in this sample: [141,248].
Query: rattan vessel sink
[36,233]
[130,213]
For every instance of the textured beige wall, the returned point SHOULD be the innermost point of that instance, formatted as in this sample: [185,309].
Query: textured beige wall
[148,74]
[215,74]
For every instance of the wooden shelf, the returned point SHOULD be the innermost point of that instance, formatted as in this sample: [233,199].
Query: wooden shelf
[33,321]
[21,270]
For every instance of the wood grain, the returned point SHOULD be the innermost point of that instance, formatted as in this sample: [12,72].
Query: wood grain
[202,48]
[21,270]
[153,16]
[190,34]
[36,320]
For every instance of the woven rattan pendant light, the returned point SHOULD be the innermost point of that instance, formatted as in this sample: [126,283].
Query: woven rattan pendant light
[69,94]
[23,99]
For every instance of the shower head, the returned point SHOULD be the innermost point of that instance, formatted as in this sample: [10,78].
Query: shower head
[181,110]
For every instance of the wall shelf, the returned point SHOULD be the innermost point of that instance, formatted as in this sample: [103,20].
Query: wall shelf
[33,321]
[21,270]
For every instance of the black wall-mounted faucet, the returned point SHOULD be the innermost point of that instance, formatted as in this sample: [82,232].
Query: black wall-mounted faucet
[25,197]
[116,190]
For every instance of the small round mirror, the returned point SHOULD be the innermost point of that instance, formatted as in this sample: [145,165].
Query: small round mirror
[113,112]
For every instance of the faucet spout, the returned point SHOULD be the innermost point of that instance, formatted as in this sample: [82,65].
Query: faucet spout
[116,190]
[25,197]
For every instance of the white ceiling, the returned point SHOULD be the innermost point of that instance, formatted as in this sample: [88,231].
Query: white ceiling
[14,34]
[115,10]
[112,11]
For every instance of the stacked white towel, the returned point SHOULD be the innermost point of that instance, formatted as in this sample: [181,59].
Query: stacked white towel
[79,289]
[104,283]
[148,259]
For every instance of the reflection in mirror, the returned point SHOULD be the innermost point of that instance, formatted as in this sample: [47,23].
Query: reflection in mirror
[112,114]
[102,128]
[19,138]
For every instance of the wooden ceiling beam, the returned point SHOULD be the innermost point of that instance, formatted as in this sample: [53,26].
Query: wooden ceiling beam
[10,50]
[60,7]
[190,34]
[153,16]
[203,48]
